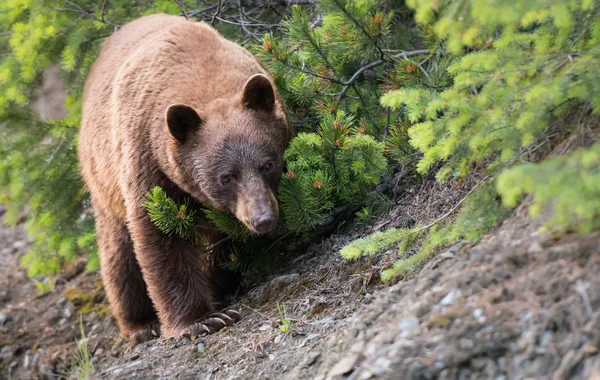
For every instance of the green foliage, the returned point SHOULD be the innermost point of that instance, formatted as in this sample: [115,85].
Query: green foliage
[345,59]
[170,217]
[286,324]
[84,366]
[570,185]
[334,166]
[520,66]
[45,286]
[378,242]
[481,211]
[515,68]
[229,224]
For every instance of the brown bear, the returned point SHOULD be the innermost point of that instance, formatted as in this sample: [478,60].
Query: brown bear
[171,103]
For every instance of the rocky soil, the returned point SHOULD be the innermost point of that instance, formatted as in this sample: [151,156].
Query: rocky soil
[519,304]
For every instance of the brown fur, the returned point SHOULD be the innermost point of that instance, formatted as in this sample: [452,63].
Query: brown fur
[221,144]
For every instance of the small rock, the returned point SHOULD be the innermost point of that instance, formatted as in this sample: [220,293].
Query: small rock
[311,358]
[99,352]
[281,282]
[8,251]
[451,298]
[19,244]
[466,344]
[535,247]
[420,308]
[409,323]
[344,366]
[200,347]
[456,247]
[67,312]
[477,313]
[277,339]
[382,365]
[546,338]
[3,319]
[368,298]
[358,346]
[265,327]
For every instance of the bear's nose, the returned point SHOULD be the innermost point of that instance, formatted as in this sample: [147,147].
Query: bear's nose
[264,223]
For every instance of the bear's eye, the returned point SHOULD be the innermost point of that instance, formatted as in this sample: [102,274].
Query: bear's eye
[268,166]
[225,179]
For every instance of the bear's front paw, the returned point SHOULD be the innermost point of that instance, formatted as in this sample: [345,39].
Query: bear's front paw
[214,322]
[145,334]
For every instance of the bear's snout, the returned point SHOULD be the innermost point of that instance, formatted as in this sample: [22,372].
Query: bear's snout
[257,206]
[264,223]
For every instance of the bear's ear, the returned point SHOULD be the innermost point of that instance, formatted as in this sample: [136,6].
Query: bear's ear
[258,93]
[182,121]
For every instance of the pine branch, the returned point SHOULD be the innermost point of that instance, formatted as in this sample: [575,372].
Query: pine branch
[404,55]
[360,26]
[181,6]
[88,14]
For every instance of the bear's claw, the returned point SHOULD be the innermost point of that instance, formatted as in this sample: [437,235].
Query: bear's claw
[146,334]
[215,322]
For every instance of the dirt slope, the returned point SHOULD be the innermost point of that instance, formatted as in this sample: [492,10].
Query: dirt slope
[517,305]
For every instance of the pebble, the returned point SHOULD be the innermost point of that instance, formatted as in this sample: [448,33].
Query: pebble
[8,251]
[368,298]
[19,244]
[200,347]
[311,358]
[466,344]
[535,247]
[3,319]
[382,365]
[451,298]
[67,312]
[409,323]
[546,338]
[477,313]
[344,366]
[99,352]
[357,346]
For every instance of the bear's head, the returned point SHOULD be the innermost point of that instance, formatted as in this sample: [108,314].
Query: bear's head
[229,155]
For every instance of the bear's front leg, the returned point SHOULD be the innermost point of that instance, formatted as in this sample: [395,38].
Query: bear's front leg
[180,290]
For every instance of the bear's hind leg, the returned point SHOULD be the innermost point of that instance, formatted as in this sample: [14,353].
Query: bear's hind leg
[123,282]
